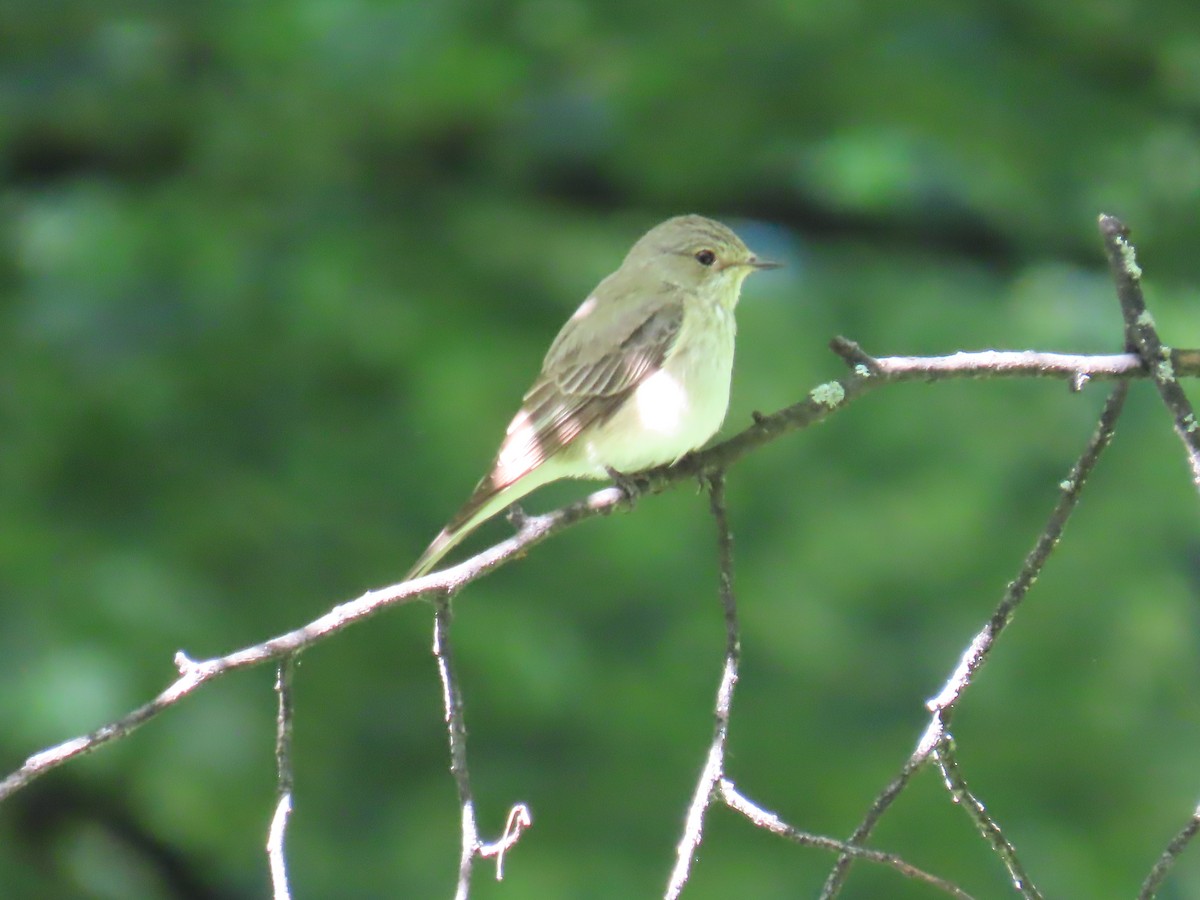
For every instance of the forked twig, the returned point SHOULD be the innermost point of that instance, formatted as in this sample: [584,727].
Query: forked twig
[713,783]
[768,820]
[947,762]
[942,705]
[1142,337]
[519,818]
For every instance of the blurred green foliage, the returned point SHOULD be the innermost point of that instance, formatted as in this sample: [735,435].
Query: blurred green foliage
[273,276]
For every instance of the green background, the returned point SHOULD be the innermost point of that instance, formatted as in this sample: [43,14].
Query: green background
[273,277]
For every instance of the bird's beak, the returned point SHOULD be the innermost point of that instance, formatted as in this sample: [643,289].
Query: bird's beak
[755,263]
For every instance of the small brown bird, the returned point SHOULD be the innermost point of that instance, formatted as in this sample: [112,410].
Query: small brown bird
[638,377]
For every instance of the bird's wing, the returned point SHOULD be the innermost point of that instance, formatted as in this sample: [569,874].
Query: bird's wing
[582,382]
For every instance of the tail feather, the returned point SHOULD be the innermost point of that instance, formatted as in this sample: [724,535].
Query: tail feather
[484,503]
[441,545]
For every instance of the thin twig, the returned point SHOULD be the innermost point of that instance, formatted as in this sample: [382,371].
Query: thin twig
[456,728]
[990,364]
[1031,568]
[942,705]
[1142,337]
[768,820]
[1169,857]
[882,802]
[284,780]
[519,818]
[714,765]
[956,784]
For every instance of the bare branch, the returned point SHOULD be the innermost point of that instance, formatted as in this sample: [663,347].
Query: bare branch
[1174,850]
[868,373]
[192,674]
[1071,488]
[763,818]
[284,780]
[519,818]
[956,784]
[880,805]
[820,402]
[713,783]
[1142,336]
[456,728]
[714,766]
[1148,356]
[942,705]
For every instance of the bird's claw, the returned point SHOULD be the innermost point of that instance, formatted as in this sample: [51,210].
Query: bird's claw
[516,516]
[626,483]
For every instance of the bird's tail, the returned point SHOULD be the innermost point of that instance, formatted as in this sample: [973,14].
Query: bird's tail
[485,502]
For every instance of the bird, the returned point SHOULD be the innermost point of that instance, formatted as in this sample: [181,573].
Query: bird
[638,377]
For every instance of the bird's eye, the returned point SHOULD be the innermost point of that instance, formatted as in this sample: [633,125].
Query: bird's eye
[705,257]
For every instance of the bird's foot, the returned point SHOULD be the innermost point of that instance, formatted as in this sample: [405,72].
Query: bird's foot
[627,483]
[516,516]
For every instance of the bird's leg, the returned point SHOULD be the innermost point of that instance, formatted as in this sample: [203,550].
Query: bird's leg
[516,516]
[627,483]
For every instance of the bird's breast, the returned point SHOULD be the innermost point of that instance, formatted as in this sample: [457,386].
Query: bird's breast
[675,409]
